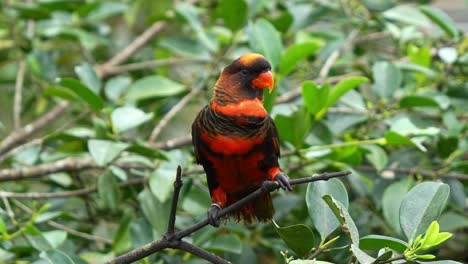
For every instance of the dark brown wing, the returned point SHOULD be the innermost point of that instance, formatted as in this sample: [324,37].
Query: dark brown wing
[274,136]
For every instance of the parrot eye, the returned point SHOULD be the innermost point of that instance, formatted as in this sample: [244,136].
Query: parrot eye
[244,71]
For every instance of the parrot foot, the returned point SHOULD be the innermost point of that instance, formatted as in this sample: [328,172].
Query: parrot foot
[283,181]
[213,218]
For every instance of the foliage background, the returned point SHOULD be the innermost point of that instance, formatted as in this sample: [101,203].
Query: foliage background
[98,129]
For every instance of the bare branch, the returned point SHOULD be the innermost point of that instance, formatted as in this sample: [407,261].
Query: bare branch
[21,136]
[64,194]
[150,65]
[175,198]
[423,172]
[18,94]
[65,228]
[174,240]
[127,52]
[200,253]
[174,110]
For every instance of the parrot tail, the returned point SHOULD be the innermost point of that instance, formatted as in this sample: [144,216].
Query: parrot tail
[260,209]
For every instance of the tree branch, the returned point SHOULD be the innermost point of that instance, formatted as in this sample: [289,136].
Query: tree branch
[19,137]
[103,70]
[18,94]
[65,165]
[118,69]
[175,240]
[423,172]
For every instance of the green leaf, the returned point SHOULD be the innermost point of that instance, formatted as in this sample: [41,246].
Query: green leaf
[387,78]
[56,256]
[265,39]
[115,87]
[128,117]
[161,183]
[322,216]
[55,237]
[377,242]
[451,221]
[343,87]
[294,128]
[315,97]
[440,18]
[299,238]
[397,139]
[361,256]
[88,77]
[3,227]
[407,14]
[391,201]
[196,201]
[426,256]
[83,92]
[140,232]
[105,151]
[422,205]
[189,12]
[442,237]
[109,191]
[106,10]
[233,13]
[153,87]
[308,261]
[417,101]
[377,156]
[155,212]
[60,92]
[147,152]
[341,213]
[296,53]
[225,243]
[121,240]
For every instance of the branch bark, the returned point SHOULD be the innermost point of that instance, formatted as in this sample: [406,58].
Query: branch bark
[21,136]
[174,240]
[105,69]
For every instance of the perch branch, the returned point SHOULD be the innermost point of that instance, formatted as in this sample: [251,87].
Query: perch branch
[174,240]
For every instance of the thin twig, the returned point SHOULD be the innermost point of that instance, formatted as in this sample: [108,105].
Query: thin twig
[166,241]
[175,198]
[70,164]
[10,212]
[118,69]
[128,51]
[65,228]
[423,172]
[21,136]
[174,110]
[65,194]
[18,95]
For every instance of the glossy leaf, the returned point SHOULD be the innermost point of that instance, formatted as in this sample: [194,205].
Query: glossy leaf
[88,77]
[105,151]
[155,212]
[225,243]
[233,13]
[83,92]
[299,238]
[109,191]
[265,39]
[387,78]
[422,205]
[417,101]
[322,216]
[161,183]
[440,18]
[377,242]
[153,87]
[56,256]
[315,97]
[341,212]
[127,117]
[295,53]
[391,202]
[361,256]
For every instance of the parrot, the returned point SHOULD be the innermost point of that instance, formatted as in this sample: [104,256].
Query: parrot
[237,143]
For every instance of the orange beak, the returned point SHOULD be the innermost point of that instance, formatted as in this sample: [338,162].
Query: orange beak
[264,80]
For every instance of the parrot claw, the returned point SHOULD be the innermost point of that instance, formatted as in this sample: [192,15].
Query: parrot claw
[283,181]
[213,218]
